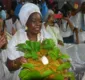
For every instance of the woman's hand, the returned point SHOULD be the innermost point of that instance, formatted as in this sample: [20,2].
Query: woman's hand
[60,43]
[14,65]
[21,60]
[3,40]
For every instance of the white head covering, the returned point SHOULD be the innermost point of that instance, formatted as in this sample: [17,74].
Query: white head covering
[49,13]
[26,10]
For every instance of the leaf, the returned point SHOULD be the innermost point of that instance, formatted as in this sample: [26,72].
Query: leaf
[28,43]
[65,65]
[34,55]
[21,47]
[29,75]
[64,56]
[37,46]
[48,44]
[23,73]
[28,55]
[28,65]
[47,73]
[52,55]
[57,50]
[35,75]
[70,75]
[59,77]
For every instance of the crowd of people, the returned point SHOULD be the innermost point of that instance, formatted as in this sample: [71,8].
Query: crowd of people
[36,21]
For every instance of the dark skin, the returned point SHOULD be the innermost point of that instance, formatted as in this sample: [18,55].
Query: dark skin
[35,22]
[34,27]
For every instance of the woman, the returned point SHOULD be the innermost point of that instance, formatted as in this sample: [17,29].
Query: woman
[12,23]
[31,18]
[80,22]
[52,28]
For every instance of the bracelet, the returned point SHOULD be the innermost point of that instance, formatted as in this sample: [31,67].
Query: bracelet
[14,64]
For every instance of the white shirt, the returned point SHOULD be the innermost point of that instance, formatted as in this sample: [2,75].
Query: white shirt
[54,32]
[76,20]
[21,37]
[9,25]
[65,29]
[11,52]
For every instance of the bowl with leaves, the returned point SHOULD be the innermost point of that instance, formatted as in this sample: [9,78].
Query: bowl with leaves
[45,61]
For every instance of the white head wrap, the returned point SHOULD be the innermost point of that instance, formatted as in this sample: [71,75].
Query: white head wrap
[26,10]
[49,13]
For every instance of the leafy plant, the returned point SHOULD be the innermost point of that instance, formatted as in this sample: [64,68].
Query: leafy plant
[57,67]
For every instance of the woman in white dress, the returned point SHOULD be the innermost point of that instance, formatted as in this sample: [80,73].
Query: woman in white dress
[52,28]
[30,17]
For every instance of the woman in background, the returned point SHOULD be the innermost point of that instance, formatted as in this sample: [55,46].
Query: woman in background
[52,28]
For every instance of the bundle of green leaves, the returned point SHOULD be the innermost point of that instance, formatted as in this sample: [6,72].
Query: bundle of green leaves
[53,53]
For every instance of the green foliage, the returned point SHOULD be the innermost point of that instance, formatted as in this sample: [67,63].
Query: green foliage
[48,44]
[47,73]
[65,65]
[31,48]
[25,74]
[28,66]
[59,77]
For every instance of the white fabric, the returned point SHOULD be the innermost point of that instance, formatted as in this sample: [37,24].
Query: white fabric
[65,31]
[17,25]
[76,20]
[26,11]
[54,32]
[12,54]
[21,37]
[49,13]
[9,25]
[6,74]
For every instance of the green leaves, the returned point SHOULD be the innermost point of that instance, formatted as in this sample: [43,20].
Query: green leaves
[48,44]
[47,73]
[54,53]
[65,65]
[28,65]
[27,75]
[59,77]
[64,56]
[30,48]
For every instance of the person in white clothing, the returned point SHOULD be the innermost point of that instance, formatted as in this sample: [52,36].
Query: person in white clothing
[52,28]
[29,16]
[12,23]
[80,22]
[68,29]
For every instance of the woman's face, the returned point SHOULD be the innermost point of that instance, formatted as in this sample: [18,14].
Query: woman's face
[34,23]
[51,19]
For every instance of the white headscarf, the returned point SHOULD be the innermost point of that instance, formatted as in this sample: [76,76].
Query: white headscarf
[26,10]
[49,13]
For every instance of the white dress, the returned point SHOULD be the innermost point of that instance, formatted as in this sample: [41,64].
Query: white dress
[12,54]
[9,25]
[78,24]
[54,32]
[65,30]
